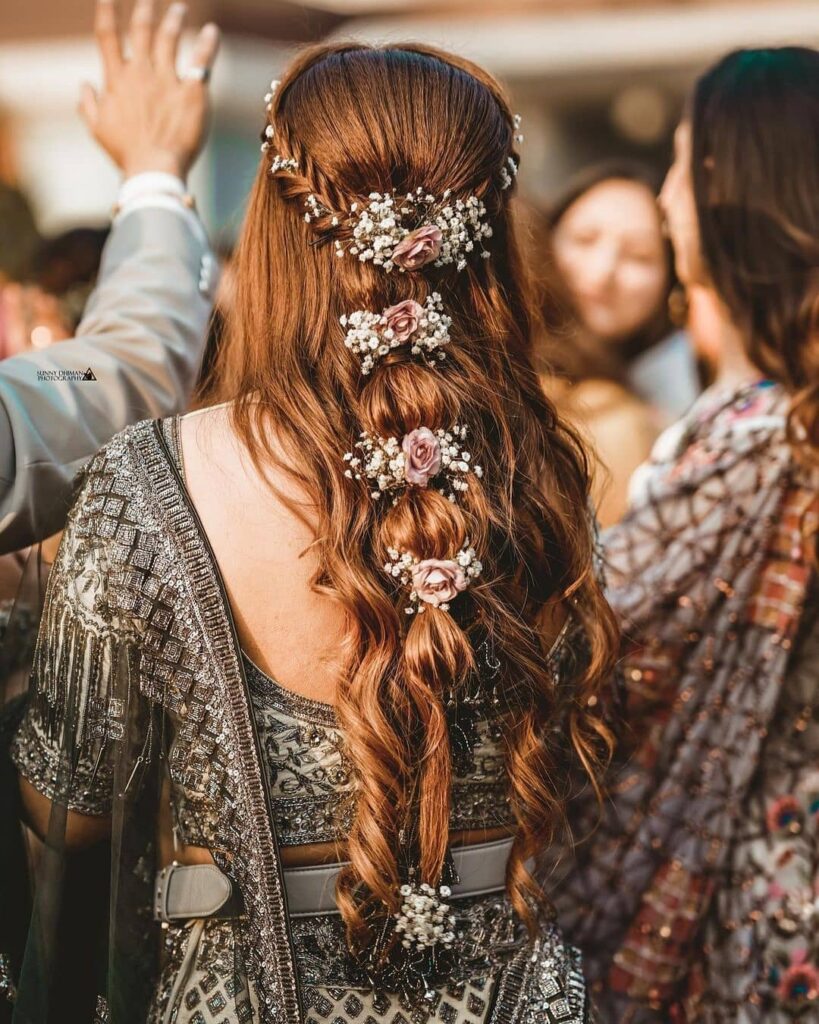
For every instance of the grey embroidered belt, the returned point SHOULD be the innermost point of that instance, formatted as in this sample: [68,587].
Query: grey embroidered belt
[183,891]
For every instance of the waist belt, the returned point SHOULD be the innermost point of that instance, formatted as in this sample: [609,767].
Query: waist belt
[185,891]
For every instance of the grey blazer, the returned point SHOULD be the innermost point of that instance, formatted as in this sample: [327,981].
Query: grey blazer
[142,336]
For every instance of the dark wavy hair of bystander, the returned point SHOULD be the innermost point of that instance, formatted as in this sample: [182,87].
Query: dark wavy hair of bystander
[754,122]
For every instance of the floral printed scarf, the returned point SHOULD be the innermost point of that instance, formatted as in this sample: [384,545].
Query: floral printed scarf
[708,574]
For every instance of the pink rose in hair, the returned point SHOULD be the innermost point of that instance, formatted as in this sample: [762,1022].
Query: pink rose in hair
[422,456]
[437,581]
[403,319]
[420,247]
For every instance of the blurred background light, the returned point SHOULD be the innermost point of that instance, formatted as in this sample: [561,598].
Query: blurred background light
[592,78]
[641,114]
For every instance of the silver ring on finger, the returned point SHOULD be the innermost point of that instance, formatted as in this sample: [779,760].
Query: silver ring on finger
[197,74]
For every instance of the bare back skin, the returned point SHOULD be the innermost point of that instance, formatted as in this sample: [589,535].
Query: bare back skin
[265,556]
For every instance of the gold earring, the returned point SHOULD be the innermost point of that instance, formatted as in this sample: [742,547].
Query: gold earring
[678,306]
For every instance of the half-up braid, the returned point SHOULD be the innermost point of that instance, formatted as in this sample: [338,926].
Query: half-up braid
[398,122]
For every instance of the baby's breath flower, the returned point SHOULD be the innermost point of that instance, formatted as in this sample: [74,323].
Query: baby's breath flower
[390,464]
[433,581]
[425,329]
[411,232]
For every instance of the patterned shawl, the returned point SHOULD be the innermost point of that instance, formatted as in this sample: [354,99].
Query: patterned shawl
[708,574]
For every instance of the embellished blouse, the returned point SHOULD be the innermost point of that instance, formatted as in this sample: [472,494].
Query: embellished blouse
[311,778]
[138,674]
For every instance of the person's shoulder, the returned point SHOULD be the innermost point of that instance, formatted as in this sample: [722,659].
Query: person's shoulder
[598,398]
[113,552]
[590,394]
[117,453]
[597,393]
[114,503]
[113,459]
[209,425]
[208,444]
[213,444]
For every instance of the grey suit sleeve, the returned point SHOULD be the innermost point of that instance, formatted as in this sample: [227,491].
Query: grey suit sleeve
[142,336]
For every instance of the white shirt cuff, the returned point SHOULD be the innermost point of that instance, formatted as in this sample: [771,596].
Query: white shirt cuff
[149,182]
[157,189]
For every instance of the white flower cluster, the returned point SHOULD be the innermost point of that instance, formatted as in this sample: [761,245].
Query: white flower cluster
[268,97]
[433,579]
[400,566]
[508,172]
[456,462]
[381,461]
[269,131]
[283,163]
[386,220]
[316,209]
[468,560]
[424,919]
[370,335]
[390,464]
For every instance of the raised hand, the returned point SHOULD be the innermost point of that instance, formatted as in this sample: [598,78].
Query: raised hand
[146,117]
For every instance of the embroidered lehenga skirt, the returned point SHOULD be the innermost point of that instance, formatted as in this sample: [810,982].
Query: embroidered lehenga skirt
[501,977]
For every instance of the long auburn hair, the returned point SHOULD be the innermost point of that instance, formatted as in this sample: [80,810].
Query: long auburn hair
[357,120]
[755,170]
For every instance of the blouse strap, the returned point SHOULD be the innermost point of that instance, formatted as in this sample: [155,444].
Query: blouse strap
[171,430]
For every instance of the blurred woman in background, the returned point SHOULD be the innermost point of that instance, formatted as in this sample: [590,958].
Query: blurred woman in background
[612,254]
[624,373]
[698,899]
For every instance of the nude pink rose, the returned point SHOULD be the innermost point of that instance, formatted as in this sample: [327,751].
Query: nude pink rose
[422,456]
[403,319]
[437,581]
[420,247]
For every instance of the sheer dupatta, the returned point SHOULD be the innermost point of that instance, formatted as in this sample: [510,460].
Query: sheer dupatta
[708,574]
[135,682]
[22,585]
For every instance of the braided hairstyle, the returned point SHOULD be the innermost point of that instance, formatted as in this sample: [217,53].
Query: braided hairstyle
[347,121]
